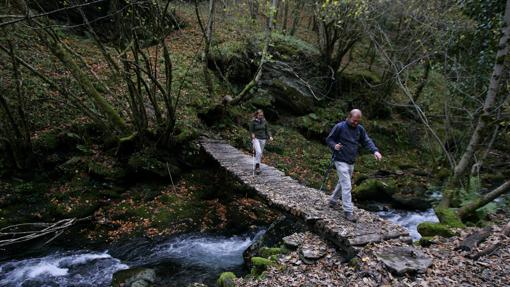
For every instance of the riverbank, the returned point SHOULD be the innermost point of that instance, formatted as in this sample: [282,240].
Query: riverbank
[450,267]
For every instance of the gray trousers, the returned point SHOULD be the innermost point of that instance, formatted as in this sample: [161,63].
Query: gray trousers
[344,171]
[258,146]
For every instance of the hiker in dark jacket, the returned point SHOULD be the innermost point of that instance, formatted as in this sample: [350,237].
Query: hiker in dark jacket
[259,132]
[344,139]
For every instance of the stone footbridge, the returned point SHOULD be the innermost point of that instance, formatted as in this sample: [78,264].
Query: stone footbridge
[307,203]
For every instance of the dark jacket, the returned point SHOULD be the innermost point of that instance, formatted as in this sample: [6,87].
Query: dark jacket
[350,138]
[260,129]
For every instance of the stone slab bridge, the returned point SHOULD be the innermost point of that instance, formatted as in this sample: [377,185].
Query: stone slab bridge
[308,204]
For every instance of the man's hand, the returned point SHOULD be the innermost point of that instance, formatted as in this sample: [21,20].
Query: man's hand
[377,155]
[270,138]
[338,146]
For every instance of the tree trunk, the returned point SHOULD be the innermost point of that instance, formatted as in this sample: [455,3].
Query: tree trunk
[475,204]
[424,80]
[209,33]
[296,17]
[285,16]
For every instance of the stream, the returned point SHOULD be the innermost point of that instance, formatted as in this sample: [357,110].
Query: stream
[177,261]
[409,219]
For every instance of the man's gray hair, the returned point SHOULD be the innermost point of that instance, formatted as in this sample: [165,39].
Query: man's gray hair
[354,112]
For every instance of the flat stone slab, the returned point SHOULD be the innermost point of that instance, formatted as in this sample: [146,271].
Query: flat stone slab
[311,251]
[309,204]
[401,260]
[293,240]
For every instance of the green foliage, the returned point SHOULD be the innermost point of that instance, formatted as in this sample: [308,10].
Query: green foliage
[105,171]
[47,141]
[433,229]
[229,50]
[147,161]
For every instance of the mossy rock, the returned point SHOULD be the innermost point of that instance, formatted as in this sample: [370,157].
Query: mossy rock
[288,46]
[433,229]
[373,189]
[226,279]
[260,265]
[104,171]
[261,262]
[267,252]
[426,241]
[448,217]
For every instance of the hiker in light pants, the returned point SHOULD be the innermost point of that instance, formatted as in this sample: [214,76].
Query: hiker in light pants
[344,139]
[259,132]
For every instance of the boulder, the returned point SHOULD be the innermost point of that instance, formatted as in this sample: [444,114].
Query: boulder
[402,260]
[290,93]
[411,201]
[134,277]
[286,83]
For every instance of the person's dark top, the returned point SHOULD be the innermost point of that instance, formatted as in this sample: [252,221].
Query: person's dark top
[350,138]
[260,129]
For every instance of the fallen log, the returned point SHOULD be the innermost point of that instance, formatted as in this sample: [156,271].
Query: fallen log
[472,240]
[487,251]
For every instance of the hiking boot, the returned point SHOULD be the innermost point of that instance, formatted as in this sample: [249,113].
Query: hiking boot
[332,204]
[349,216]
[257,168]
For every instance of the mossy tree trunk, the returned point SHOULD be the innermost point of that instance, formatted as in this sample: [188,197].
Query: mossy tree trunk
[471,207]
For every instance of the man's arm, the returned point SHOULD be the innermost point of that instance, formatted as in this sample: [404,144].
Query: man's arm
[268,133]
[367,142]
[331,140]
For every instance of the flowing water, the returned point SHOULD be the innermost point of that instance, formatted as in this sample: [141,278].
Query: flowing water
[178,261]
[409,219]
